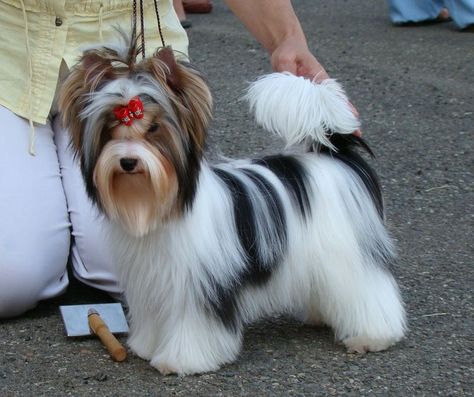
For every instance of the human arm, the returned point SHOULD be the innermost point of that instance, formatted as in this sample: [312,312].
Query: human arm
[275,25]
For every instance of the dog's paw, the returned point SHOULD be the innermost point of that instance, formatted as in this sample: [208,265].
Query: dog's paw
[363,344]
[186,367]
[166,369]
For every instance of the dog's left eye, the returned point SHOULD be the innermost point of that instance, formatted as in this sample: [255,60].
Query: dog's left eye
[153,127]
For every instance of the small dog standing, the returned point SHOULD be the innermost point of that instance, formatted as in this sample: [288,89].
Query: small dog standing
[202,249]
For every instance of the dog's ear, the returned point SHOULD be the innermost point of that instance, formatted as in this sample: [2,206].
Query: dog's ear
[172,75]
[91,70]
[188,85]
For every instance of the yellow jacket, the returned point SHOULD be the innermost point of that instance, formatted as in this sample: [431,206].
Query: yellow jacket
[36,36]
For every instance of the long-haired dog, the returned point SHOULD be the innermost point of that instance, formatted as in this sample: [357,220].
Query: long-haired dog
[203,249]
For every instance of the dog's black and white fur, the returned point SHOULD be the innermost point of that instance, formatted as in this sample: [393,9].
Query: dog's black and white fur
[203,249]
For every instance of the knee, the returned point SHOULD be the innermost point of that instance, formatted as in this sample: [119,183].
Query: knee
[23,283]
[19,291]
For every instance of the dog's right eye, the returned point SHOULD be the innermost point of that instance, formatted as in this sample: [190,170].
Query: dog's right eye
[153,127]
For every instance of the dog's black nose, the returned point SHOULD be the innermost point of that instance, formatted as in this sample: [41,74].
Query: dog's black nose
[128,164]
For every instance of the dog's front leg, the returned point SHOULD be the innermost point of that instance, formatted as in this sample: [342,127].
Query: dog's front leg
[196,342]
[143,342]
[144,334]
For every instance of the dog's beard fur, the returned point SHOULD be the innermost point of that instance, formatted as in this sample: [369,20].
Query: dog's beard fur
[139,200]
[204,249]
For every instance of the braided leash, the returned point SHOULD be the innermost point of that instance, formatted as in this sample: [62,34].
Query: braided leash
[142,24]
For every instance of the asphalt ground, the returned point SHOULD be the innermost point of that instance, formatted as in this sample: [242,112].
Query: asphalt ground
[414,89]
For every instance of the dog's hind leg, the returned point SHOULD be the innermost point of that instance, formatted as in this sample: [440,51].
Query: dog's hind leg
[356,292]
[378,317]
[358,297]
[362,305]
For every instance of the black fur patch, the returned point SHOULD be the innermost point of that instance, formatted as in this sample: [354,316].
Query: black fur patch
[258,268]
[188,176]
[293,176]
[87,168]
[346,152]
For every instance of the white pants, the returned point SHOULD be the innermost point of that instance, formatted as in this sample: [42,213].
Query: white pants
[45,216]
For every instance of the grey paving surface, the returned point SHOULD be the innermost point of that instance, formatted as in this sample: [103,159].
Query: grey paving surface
[414,88]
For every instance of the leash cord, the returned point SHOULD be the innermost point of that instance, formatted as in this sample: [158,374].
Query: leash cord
[142,24]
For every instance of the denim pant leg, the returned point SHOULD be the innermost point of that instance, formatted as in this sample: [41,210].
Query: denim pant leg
[402,11]
[462,12]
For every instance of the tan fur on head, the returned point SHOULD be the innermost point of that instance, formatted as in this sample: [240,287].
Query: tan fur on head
[167,141]
[93,68]
[192,96]
[131,198]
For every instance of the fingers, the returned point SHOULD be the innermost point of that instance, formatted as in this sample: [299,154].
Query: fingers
[292,57]
[313,71]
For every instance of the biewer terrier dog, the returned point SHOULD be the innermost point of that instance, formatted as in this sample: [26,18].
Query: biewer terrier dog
[203,249]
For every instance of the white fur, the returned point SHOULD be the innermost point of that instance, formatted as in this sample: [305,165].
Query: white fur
[326,275]
[328,270]
[166,285]
[296,108]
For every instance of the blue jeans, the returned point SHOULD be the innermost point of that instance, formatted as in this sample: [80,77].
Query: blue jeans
[461,11]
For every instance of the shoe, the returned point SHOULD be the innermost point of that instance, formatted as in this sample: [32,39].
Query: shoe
[197,6]
[186,23]
[468,28]
[178,7]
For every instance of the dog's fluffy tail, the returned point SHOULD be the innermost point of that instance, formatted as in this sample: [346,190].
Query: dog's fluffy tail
[301,111]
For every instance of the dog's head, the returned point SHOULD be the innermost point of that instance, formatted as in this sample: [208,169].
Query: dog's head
[138,128]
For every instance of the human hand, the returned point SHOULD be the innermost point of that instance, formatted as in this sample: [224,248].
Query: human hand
[292,55]
[276,26]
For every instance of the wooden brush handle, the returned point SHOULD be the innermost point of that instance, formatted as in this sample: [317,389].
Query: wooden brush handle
[115,348]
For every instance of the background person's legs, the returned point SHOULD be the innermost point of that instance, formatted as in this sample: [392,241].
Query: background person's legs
[403,11]
[462,12]
[35,229]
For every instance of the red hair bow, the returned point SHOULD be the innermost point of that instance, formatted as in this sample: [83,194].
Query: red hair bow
[126,114]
